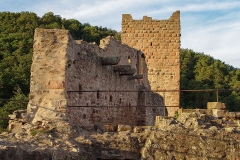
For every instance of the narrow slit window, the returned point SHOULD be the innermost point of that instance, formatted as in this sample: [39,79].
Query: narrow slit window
[111,98]
[129,60]
[98,94]
[80,89]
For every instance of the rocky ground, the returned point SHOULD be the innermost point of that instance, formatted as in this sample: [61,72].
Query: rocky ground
[189,136]
[194,136]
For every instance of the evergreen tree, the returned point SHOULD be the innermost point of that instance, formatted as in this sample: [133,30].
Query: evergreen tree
[199,72]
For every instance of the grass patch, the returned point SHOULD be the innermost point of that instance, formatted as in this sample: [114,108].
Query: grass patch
[34,132]
[176,115]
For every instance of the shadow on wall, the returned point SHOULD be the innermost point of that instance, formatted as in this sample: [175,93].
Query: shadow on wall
[150,105]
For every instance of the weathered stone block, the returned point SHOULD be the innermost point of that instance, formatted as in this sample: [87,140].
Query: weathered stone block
[215,105]
[230,129]
[55,84]
[138,76]
[121,68]
[129,72]
[202,111]
[15,126]
[110,60]
[124,128]
[138,129]
[12,116]
[238,115]
[109,128]
[219,113]
[180,111]
[231,114]
[158,119]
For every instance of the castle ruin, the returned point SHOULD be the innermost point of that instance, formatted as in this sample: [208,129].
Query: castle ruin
[78,87]
[89,85]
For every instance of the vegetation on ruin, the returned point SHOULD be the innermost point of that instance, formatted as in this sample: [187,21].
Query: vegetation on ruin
[198,71]
[34,132]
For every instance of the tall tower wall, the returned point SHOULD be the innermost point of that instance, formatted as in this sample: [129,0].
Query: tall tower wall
[159,40]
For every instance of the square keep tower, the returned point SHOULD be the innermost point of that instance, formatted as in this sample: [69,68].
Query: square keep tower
[159,40]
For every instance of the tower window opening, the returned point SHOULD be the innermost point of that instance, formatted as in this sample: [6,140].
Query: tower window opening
[110,98]
[129,60]
[79,89]
[98,94]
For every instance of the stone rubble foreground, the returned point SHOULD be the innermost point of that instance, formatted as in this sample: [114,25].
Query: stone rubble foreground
[194,134]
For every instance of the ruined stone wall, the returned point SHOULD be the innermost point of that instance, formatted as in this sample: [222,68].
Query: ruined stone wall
[47,98]
[159,40]
[86,72]
[62,67]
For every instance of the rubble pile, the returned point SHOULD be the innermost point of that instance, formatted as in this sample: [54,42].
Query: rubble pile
[193,136]
[212,133]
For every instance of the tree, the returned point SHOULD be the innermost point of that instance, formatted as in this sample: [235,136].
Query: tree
[199,72]
[17,102]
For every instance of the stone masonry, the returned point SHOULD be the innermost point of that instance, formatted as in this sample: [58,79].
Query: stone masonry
[159,40]
[81,83]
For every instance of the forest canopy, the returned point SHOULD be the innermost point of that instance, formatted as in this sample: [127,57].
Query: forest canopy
[203,72]
[198,71]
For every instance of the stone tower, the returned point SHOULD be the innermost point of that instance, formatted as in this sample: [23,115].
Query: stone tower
[159,40]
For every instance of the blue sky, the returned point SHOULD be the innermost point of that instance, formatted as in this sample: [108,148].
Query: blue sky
[208,26]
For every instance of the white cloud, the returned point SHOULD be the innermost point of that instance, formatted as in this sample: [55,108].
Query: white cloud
[210,6]
[217,37]
[212,27]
